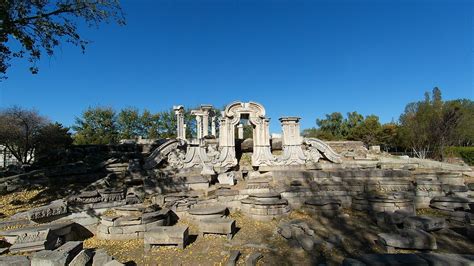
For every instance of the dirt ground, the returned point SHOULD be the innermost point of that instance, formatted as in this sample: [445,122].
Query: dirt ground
[355,232]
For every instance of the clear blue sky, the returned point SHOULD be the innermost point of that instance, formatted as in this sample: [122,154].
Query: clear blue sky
[303,58]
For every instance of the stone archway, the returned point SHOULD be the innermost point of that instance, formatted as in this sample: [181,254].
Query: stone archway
[261,135]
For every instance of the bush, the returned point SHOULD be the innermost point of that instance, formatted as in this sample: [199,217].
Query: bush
[466,153]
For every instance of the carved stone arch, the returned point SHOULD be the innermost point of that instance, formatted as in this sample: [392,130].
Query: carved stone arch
[231,117]
[237,108]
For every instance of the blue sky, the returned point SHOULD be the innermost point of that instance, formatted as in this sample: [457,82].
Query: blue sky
[298,58]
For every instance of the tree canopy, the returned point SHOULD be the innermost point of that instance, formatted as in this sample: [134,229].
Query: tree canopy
[97,125]
[104,125]
[425,128]
[39,26]
[26,133]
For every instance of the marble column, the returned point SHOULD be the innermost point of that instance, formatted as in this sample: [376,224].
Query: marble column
[213,125]
[180,126]
[205,109]
[262,153]
[199,131]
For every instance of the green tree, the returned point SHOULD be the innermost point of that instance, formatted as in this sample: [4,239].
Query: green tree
[129,123]
[353,119]
[334,124]
[317,133]
[52,136]
[368,131]
[150,124]
[167,124]
[464,132]
[335,127]
[429,126]
[389,136]
[97,125]
[31,28]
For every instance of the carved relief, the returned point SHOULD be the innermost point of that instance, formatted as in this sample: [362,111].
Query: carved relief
[317,145]
[47,211]
[161,153]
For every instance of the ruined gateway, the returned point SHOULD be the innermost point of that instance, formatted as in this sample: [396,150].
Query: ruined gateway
[205,178]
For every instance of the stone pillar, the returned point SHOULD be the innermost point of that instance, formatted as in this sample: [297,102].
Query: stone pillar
[240,131]
[227,143]
[180,126]
[292,152]
[213,126]
[199,131]
[206,109]
[262,154]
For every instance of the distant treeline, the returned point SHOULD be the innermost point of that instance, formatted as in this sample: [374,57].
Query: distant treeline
[425,128]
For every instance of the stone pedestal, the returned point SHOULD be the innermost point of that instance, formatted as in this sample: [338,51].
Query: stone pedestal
[166,235]
[292,152]
[223,226]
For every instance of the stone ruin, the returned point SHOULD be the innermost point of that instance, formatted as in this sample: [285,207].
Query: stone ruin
[150,186]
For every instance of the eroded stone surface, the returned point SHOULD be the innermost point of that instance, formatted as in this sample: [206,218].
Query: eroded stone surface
[409,239]
[425,223]
[166,235]
[223,226]
[58,257]
[54,209]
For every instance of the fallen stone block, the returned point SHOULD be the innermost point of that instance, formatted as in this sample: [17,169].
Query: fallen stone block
[101,257]
[408,239]
[425,223]
[36,238]
[305,241]
[208,212]
[253,258]
[234,256]
[166,235]
[224,226]
[59,257]
[391,220]
[114,263]
[450,203]
[285,231]
[82,258]
[14,261]
[3,250]
[54,209]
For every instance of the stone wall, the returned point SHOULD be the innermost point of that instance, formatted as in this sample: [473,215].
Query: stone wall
[349,148]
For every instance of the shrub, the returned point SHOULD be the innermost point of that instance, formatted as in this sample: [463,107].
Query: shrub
[466,153]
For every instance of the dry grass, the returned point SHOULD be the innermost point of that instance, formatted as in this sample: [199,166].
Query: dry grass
[253,236]
[16,202]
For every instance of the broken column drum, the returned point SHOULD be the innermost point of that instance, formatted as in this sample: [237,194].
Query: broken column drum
[130,222]
[265,206]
